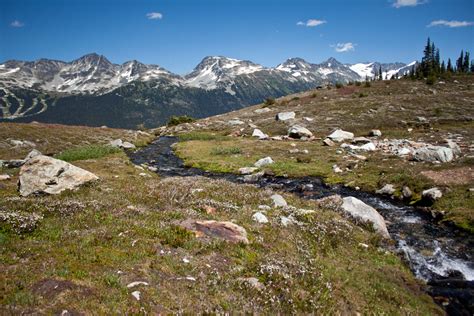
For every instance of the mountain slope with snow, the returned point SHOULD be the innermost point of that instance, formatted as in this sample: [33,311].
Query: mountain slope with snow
[90,89]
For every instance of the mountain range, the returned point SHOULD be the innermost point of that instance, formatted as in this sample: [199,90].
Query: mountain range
[93,91]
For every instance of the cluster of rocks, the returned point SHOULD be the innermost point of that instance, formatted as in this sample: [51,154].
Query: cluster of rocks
[118,143]
[419,151]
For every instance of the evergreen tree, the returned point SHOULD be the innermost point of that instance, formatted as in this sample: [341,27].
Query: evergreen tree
[380,73]
[442,67]
[437,65]
[460,62]
[465,64]
[472,66]
[449,67]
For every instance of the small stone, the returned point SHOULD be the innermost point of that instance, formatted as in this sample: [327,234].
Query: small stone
[236,122]
[247,170]
[254,282]
[375,133]
[284,116]
[223,230]
[4,177]
[127,145]
[136,295]
[297,131]
[406,193]
[263,162]
[259,217]
[328,142]
[252,178]
[387,189]
[432,194]
[258,133]
[336,169]
[136,283]
[287,220]
[339,135]
[278,200]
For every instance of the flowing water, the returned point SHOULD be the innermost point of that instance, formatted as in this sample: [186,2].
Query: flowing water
[441,255]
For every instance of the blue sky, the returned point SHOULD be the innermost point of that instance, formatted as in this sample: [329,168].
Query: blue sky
[177,34]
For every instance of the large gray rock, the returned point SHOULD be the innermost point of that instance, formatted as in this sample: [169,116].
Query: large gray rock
[434,153]
[432,194]
[43,174]
[258,133]
[278,200]
[387,189]
[339,135]
[118,143]
[284,116]
[247,170]
[361,211]
[263,162]
[297,131]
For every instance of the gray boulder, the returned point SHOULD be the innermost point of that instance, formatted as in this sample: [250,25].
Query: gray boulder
[432,194]
[297,131]
[259,217]
[247,170]
[339,135]
[284,116]
[434,153]
[366,213]
[43,174]
[258,133]
[278,200]
[387,189]
[263,162]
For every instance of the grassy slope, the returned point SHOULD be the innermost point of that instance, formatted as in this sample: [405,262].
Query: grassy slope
[391,106]
[127,222]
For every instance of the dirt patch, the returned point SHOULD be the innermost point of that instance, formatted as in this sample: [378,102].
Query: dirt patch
[458,176]
[50,288]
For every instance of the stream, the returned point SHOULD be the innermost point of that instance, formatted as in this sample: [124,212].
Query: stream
[438,254]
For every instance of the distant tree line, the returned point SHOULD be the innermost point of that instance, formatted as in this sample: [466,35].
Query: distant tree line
[432,67]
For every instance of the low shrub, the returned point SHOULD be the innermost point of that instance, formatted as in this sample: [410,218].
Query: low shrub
[86,152]
[339,85]
[269,101]
[226,151]
[176,120]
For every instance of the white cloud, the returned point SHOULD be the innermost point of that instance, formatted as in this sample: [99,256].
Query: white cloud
[344,47]
[311,23]
[154,16]
[17,23]
[408,3]
[450,23]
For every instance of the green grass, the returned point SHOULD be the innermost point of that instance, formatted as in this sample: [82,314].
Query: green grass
[226,151]
[87,152]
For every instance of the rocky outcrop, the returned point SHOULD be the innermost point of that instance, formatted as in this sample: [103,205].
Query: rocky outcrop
[43,174]
[366,213]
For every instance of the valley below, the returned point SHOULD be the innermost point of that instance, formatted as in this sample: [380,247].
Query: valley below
[338,200]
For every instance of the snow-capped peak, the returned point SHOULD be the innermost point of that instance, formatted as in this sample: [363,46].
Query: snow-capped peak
[213,70]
